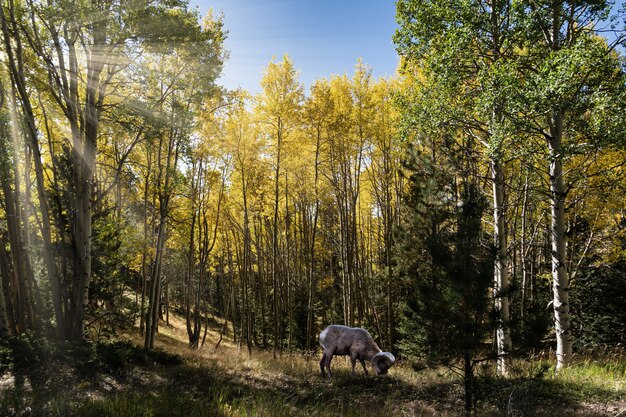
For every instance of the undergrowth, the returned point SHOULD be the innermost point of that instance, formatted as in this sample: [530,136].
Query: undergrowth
[46,378]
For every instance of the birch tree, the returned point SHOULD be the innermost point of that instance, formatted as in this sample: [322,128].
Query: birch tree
[278,108]
[465,49]
[80,54]
[318,113]
[574,95]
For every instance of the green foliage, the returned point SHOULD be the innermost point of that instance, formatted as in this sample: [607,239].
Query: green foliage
[584,80]
[6,357]
[37,358]
[29,355]
[598,302]
[109,308]
[445,264]
[531,332]
[513,74]
[285,386]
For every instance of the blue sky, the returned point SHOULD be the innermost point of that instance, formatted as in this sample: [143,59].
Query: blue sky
[322,37]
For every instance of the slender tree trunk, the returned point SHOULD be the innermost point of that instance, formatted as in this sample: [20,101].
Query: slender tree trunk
[24,273]
[144,255]
[33,294]
[166,300]
[388,242]
[205,307]
[275,285]
[16,67]
[5,275]
[4,321]
[468,378]
[224,329]
[191,259]
[247,272]
[501,271]
[344,265]
[560,276]
[154,300]
[16,272]
[152,315]
[263,268]
[288,271]
[524,247]
[312,277]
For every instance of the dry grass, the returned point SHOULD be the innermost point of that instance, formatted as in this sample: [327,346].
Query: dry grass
[589,387]
[230,383]
[292,379]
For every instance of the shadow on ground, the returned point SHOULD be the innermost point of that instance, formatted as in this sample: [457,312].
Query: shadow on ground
[123,380]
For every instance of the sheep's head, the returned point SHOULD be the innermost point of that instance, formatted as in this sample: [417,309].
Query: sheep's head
[381,362]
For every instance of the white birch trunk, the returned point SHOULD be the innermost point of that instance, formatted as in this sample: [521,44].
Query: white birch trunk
[560,275]
[500,272]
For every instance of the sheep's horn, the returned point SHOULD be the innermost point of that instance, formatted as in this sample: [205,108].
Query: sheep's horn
[383,361]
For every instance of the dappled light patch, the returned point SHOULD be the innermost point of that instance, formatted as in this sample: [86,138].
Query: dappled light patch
[123,379]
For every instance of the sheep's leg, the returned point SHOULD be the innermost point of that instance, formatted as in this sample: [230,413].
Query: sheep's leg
[363,363]
[329,357]
[322,363]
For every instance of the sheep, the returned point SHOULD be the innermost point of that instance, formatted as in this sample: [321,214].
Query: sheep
[355,342]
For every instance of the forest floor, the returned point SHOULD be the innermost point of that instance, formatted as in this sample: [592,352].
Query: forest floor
[123,380]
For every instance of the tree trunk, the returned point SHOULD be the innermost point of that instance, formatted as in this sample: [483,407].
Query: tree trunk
[16,67]
[311,272]
[154,300]
[81,236]
[84,168]
[500,272]
[4,321]
[192,334]
[144,255]
[17,271]
[275,285]
[287,263]
[5,275]
[152,315]
[468,378]
[560,276]
[523,254]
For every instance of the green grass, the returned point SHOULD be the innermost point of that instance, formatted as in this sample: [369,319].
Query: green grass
[121,379]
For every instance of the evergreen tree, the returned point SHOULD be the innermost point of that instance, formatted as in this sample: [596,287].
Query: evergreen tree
[445,262]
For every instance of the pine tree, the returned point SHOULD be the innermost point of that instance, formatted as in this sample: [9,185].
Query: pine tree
[445,262]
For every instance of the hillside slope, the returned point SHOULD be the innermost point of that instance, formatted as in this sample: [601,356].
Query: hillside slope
[122,379]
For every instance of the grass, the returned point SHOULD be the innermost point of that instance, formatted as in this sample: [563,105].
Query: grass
[127,381]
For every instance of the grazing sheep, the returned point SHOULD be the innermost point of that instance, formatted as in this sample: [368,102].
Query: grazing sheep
[355,342]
